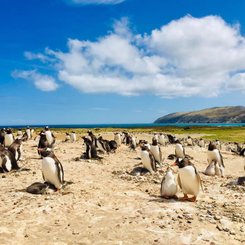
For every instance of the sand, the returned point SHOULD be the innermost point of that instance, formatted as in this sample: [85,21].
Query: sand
[105,205]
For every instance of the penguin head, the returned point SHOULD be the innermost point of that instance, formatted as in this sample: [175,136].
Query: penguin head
[9,131]
[177,141]
[211,146]
[45,152]
[154,141]
[181,163]
[144,147]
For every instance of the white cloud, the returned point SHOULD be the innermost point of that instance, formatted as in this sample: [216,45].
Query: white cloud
[95,1]
[43,82]
[187,57]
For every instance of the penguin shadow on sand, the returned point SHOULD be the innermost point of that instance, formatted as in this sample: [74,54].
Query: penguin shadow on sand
[53,175]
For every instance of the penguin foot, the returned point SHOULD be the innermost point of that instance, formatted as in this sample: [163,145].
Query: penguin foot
[192,199]
[184,198]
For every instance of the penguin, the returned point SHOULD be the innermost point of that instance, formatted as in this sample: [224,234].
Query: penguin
[201,143]
[133,144]
[28,133]
[43,142]
[9,138]
[189,141]
[19,134]
[113,145]
[189,179]
[103,145]
[15,148]
[148,159]
[91,152]
[162,139]
[126,138]
[179,150]
[52,169]
[155,137]
[73,137]
[169,186]
[2,136]
[50,137]
[118,139]
[68,137]
[7,160]
[210,170]
[213,154]
[156,151]
[218,144]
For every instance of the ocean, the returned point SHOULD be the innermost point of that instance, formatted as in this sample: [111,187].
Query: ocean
[129,125]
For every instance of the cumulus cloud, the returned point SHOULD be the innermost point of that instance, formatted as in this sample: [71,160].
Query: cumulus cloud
[186,57]
[94,1]
[43,82]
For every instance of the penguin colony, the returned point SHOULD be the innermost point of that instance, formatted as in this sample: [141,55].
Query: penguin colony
[188,178]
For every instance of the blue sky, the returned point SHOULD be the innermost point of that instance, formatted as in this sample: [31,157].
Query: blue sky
[118,61]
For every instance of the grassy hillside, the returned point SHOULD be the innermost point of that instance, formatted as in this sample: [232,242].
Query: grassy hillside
[228,114]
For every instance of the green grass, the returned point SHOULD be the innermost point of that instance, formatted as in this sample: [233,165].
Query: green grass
[227,134]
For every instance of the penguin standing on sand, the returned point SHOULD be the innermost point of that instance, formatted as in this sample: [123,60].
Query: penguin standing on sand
[2,135]
[52,169]
[133,144]
[215,156]
[156,151]
[73,136]
[179,150]
[9,138]
[19,134]
[188,179]
[43,142]
[28,133]
[118,139]
[91,152]
[169,186]
[162,139]
[15,148]
[50,137]
[148,159]
[7,160]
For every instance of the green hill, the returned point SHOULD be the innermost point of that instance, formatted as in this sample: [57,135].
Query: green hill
[228,114]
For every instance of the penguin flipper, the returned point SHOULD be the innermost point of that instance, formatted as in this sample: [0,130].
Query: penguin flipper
[179,182]
[153,162]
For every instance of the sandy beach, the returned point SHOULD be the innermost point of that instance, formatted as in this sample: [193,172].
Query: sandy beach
[106,205]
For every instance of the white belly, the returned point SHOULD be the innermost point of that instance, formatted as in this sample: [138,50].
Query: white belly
[156,153]
[179,151]
[146,161]
[210,170]
[169,187]
[8,140]
[50,172]
[118,139]
[5,159]
[189,181]
[162,140]
[214,156]
[49,137]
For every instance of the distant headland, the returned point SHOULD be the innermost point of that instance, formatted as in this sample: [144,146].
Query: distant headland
[227,114]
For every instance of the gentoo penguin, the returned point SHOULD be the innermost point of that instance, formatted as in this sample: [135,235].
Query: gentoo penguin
[9,138]
[133,144]
[201,142]
[50,137]
[179,150]
[52,169]
[162,139]
[156,151]
[73,137]
[7,160]
[43,142]
[118,139]
[91,151]
[2,135]
[28,133]
[189,141]
[15,148]
[214,154]
[188,179]
[68,137]
[210,170]
[148,159]
[218,144]
[155,137]
[113,145]
[103,145]
[169,186]
[19,134]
